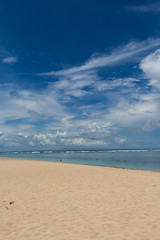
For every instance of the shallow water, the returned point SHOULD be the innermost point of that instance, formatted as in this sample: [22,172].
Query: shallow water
[148,160]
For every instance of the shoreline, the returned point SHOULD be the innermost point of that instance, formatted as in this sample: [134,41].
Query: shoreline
[61,162]
[43,200]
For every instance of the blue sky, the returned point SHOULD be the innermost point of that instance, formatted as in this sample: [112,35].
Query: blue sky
[79,74]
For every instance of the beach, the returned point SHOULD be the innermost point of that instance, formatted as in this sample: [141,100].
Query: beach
[45,200]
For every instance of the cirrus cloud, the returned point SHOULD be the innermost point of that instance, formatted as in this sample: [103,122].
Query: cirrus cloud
[82,107]
[10,60]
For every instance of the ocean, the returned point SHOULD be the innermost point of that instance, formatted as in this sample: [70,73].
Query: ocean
[148,160]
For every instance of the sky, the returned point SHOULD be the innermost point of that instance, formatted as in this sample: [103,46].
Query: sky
[79,74]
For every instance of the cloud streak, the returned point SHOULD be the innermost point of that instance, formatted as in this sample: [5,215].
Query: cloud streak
[84,108]
[85,79]
[10,60]
[147,8]
[118,56]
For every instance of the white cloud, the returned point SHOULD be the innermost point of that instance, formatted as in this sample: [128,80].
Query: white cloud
[118,56]
[44,139]
[74,141]
[32,144]
[97,131]
[151,67]
[24,135]
[85,79]
[83,142]
[58,139]
[114,83]
[140,108]
[61,134]
[29,104]
[129,113]
[74,84]
[122,140]
[10,60]
[155,8]
[53,118]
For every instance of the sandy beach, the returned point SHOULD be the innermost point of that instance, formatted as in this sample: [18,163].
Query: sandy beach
[46,200]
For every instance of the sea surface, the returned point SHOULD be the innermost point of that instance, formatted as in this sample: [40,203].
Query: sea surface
[148,160]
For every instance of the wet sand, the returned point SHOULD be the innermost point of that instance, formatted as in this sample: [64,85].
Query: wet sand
[46,200]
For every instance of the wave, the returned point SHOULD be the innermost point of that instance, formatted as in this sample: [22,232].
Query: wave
[47,152]
[82,151]
[113,150]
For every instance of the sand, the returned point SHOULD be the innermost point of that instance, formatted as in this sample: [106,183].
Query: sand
[46,200]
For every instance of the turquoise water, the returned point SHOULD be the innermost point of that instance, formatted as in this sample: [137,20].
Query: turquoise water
[148,160]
